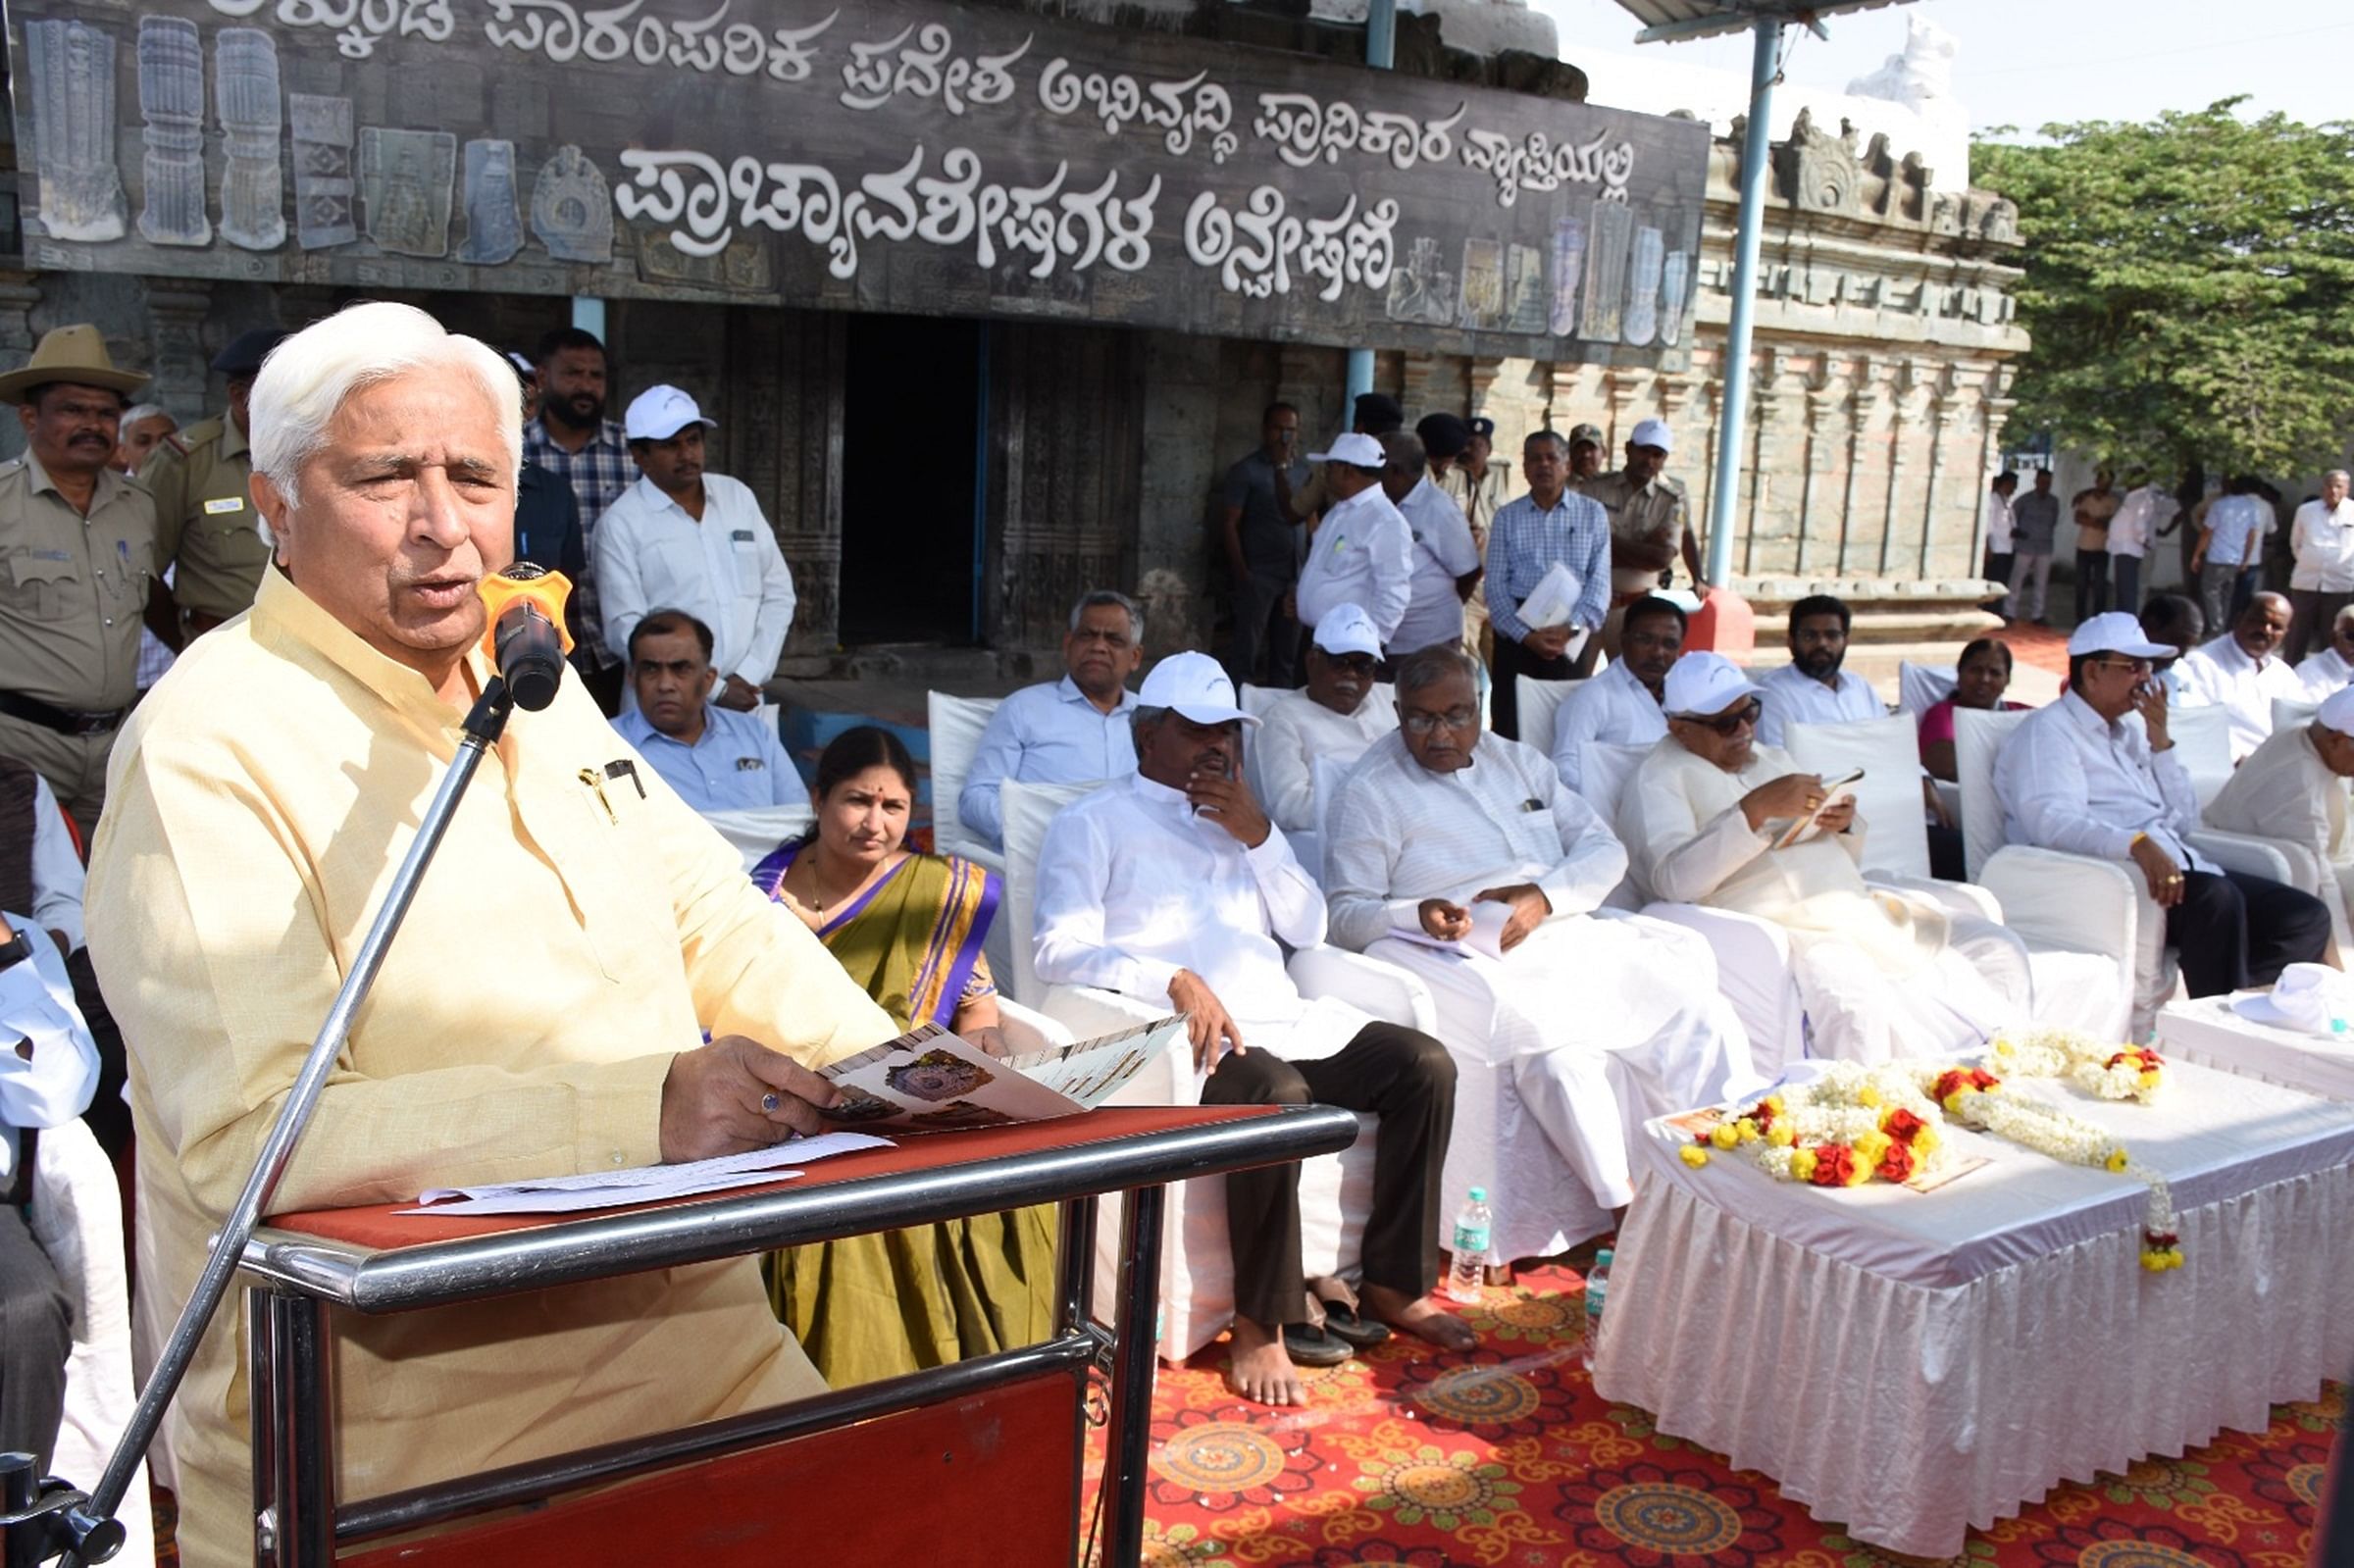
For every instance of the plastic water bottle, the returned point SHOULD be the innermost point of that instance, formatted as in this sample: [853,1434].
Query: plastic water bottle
[1466,1273]
[1597,1287]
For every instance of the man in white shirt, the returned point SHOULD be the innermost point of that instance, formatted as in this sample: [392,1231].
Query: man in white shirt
[2294,787]
[48,1072]
[2078,777]
[1620,707]
[2172,621]
[1334,720]
[1882,974]
[1363,552]
[2145,510]
[1999,529]
[1172,887]
[1072,731]
[2332,666]
[1812,688]
[715,758]
[1603,1020]
[2242,670]
[683,539]
[2322,584]
[1446,563]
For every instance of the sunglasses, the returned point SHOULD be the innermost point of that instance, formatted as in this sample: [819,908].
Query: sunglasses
[1724,723]
[1353,663]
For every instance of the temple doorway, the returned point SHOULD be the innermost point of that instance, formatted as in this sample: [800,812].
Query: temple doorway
[912,527]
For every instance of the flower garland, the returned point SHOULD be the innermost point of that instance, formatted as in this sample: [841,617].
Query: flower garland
[1856,1123]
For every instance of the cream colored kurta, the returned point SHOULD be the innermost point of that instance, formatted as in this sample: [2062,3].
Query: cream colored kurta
[567,941]
[1875,968]
[2284,792]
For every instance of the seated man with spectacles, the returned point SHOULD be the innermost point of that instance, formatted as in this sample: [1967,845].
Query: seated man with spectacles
[1071,731]
[1600,1020]
[2081,776]
[1336,718]
[1708,819]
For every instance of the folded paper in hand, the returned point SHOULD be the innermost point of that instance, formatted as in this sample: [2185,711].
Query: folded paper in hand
[1553,599]
[929,1080]
[644,1184]
[1834,790]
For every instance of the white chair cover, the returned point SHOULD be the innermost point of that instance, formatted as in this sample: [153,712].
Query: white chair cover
[2202,737]
[754,833]
[1922,686]
[1540,701]
[955,725]
[1896,839]
[1029,808]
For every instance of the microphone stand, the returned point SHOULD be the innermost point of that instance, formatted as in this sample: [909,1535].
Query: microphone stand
[65,1520]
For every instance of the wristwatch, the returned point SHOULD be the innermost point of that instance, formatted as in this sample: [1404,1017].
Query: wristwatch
[15,950]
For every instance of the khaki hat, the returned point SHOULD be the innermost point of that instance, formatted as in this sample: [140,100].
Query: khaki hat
[75,354]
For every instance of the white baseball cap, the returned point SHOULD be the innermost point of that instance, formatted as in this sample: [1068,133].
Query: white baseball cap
[2338,711]
[2117,632]
[1194,684]
[659,413]
[1652,433]
[1704,684]
[2307,996]
[1356,451]
[1346,629]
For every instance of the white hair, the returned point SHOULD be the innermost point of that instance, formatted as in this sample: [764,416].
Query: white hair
[142,411]
[307,379]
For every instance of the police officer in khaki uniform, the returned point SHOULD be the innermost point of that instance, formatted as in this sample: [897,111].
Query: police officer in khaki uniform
[78,563]
[200,480]
[1651,525]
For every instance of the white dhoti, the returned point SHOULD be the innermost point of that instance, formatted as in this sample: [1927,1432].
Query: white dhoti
[1863,1006]
[1581,1034]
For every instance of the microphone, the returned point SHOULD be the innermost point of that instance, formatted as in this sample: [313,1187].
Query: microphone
[526,640]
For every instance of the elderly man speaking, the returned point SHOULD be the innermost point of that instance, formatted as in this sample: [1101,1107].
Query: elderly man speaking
[544,1010]
[1710,818]
[1600,1022]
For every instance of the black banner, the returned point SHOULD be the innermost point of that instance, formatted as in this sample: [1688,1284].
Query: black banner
[891,156]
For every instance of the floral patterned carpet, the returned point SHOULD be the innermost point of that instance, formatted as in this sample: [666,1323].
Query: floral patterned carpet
[1508,1457]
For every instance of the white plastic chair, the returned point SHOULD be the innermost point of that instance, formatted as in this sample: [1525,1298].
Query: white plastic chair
[955,725]
[77,1219]
[1922,686]
[2202,737]
[1540,706]
[1336,1191]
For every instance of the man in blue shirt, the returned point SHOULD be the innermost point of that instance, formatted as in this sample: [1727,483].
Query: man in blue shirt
[1551,524]
[1072,731]
[716,758]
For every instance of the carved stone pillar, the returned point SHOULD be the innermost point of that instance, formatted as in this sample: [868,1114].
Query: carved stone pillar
[1944,409]
[1907,383]
[1823,397]
[1479,376]
[177,310]
[1863,406]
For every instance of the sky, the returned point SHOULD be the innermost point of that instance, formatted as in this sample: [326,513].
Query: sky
[2027,63]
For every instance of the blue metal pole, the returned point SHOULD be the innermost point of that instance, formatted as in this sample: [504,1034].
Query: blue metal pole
[1756,144]
[1381,53]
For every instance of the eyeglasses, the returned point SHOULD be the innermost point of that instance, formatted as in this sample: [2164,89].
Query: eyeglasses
[2135,665]
[1724,723]
[1353,663]
[1422,724]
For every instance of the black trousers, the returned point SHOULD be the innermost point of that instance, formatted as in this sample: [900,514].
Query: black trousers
[2237,930]
[36,1335]
[2092,583]
[1263,629]
[1401,1075]
[1513,661]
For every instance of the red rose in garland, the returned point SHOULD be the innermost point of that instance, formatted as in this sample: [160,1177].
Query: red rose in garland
[1897,1164]
[1834,1165]
[1902,1125]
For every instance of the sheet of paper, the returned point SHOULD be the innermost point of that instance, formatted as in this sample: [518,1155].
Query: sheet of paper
[929,1080]
[644,1184]
[1486,940]
[1835,792]
[1092,1071]
[1553,599]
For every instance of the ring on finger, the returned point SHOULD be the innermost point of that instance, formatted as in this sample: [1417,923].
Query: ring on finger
[770,1103]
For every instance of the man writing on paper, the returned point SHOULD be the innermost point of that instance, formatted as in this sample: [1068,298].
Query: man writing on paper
[1882,975]
[1602,1022]
[543,1008]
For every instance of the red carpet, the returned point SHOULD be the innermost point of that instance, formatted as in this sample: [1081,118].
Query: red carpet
[1506,1457]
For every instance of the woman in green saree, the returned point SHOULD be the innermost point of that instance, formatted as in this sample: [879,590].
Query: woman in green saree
[908,926]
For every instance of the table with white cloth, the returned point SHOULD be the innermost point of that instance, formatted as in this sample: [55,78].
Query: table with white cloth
[1914,1365]
[2208,1032]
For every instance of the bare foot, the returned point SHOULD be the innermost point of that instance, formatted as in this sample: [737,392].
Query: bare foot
[1421,1317]
[1261,1370]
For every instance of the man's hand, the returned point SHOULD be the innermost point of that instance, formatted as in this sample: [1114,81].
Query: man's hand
[1793,794]
[1449,923]
[1529,905]
[1226,801]
[2150,703]
[1205,1020]
[735,1094]
[1548,643]
[738,693]
[2164,876]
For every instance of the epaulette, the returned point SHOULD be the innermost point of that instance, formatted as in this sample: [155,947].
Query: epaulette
[176,444]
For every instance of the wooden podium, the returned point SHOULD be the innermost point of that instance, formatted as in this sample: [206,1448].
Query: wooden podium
[977,1462]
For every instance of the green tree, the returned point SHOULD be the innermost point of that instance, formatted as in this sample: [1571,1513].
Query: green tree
[2190,287]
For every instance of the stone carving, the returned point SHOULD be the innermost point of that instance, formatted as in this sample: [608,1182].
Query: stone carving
[1945,213]
[405,183]
[1611,231]
[245,94]
[71,87]
[1483,284]
[322,183]
[572,208]
[1643,287]
[1568,272]
[1990,216]
[493,221]
[1821,173]
[1422,288]
[172,100]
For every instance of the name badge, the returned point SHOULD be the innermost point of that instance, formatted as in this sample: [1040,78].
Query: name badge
[742,535]
[748,764]
[226,503]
